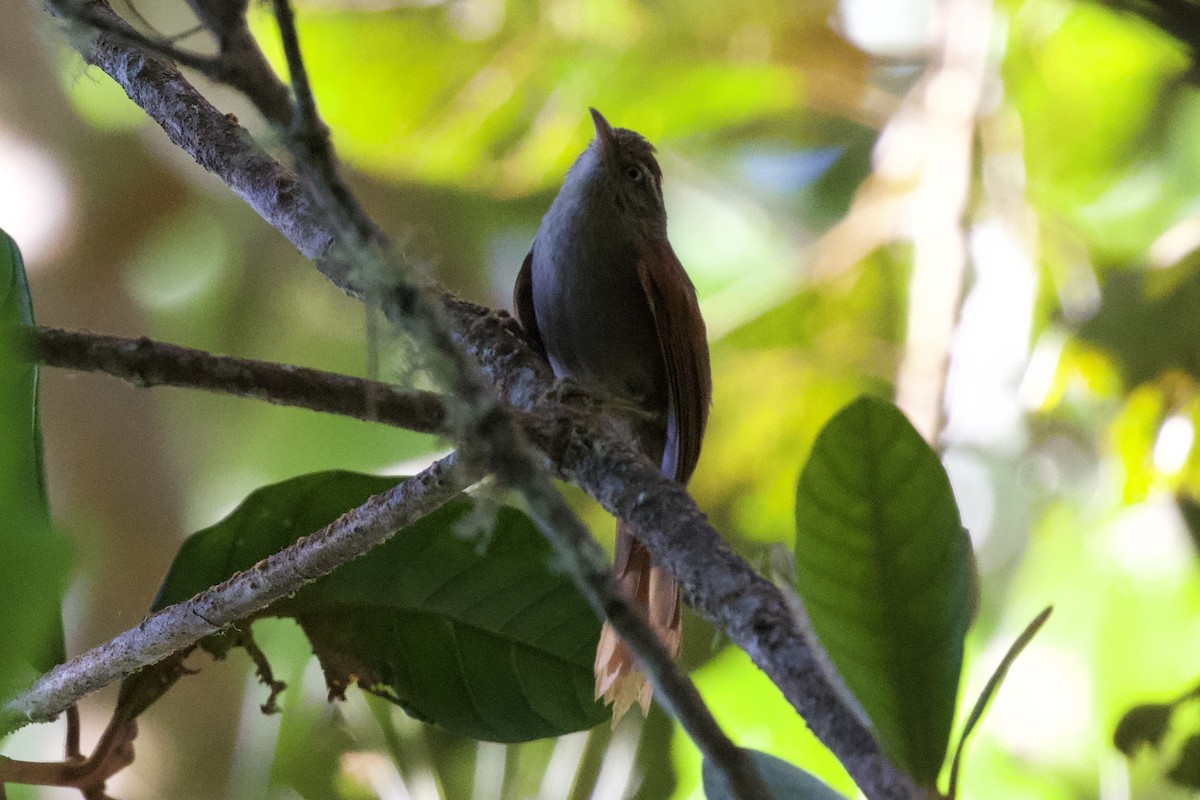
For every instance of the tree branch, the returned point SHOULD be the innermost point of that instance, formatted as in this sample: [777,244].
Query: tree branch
[670,522]
[718,584]
[183,624]
[571,430]
[144,362]
[715,582]
[215,140]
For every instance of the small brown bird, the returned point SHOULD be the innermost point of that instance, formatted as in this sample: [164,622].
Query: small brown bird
[604,297]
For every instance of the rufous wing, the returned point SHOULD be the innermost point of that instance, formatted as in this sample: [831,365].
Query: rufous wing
[684,349]
[684,343]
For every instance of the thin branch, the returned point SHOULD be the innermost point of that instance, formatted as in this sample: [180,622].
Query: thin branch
[145,362]
[183,624]
[716,582]
[309,134]
[567,432]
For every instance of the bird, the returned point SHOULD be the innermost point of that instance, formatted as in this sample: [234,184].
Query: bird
[603,297]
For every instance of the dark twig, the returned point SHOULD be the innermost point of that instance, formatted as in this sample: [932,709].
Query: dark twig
[148,363]
[145,362]
[72,751]
[113,752]
[309,134]
[672,523]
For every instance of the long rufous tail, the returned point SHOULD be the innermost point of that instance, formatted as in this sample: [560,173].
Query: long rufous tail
[652,592]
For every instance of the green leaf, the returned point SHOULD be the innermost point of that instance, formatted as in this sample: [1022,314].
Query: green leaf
[479,635]
[989,690]
[783,779]
[33,557]
[884,568]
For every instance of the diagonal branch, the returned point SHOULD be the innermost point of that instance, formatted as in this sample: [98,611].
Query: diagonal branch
[145,363]
[716,582]
[183,624]
[759,623]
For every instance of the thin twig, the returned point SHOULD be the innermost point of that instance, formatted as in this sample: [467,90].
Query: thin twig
[183,624]
[309,134]
[671,522]
[214,139]
[145,362]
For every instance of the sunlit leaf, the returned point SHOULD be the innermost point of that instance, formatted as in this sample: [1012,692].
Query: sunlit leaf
[477,634]
[884,570]
[752,712]
[33,557]
[784,780]
[1086,69]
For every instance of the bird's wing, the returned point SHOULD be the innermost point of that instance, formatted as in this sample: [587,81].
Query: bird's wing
[523,304]
[682,337]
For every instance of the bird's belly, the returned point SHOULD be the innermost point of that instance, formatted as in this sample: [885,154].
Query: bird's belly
[599,331]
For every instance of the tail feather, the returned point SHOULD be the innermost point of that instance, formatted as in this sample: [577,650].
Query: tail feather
[654,594]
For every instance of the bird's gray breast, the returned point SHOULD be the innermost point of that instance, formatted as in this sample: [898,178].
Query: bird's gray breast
[591,309]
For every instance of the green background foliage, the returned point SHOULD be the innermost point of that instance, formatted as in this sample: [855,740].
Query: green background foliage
[456,120]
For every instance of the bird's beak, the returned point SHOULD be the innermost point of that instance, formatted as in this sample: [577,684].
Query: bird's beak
[605,137]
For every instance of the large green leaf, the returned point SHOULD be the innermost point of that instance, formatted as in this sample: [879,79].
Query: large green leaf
[478,634]
[884,569]
[33,557]
[783,779]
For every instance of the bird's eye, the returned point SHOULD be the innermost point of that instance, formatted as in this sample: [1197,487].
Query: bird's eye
[634,173]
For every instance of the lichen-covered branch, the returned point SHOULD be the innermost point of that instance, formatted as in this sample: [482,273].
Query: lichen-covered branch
[183,624]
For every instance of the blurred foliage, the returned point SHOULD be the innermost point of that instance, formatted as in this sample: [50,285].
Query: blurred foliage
[458,118]
[745,702]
